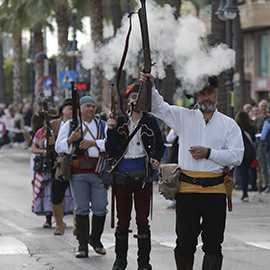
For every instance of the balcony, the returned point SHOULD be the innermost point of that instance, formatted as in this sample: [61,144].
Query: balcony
[255,15]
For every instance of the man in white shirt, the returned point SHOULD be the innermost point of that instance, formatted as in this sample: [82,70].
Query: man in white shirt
[86,185]
[209,142]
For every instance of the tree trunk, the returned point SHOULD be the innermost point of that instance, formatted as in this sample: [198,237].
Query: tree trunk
[116,14]
[39,63]
[218,35]
[17,71]
[96,15]
[168,84]
[63,21]
[241,95]
[3,98]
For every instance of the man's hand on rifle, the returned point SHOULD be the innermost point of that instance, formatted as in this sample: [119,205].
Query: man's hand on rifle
[74,136]
[111,122]
[85,144]
[145,76]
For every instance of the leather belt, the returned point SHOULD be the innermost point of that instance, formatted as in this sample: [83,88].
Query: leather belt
[204,182]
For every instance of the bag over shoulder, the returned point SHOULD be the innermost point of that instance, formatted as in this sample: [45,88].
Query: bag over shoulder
[168,183]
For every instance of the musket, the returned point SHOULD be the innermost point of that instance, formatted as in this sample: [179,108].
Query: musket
[144,97]
[48,163]
[113,111]
[74,124]
[112,115]
[112,203]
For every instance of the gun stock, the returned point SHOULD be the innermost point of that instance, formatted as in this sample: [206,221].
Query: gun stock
[144,97]
[113,111]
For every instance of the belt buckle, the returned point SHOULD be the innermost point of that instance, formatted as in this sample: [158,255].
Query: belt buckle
[194,180]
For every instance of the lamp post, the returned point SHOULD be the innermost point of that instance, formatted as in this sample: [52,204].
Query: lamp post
[227,11]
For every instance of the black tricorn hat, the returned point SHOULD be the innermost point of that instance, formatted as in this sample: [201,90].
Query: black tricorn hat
[212,83]
[67,102]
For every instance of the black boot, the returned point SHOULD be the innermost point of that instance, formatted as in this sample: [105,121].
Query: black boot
[121,248]
[144,248]
[96,232]
[212,262]
[184,263]
[82,235]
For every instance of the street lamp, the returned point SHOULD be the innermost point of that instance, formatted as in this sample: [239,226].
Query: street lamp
[229,12]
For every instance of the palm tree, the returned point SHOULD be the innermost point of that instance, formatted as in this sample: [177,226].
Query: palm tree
[3,98]
[96,16]
[169,82]
[13,21]
[63,22]
[38,14]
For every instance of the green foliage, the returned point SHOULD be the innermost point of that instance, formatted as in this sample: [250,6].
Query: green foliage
[8,70]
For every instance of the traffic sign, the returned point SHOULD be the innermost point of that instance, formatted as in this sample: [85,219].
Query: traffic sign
[65,77]
[47,82]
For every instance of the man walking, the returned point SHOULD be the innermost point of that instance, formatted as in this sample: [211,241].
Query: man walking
[209,142]
[86,185]
[137,158]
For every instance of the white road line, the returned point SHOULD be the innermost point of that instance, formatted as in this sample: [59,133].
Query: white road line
[10,246]
[265,245]
[16,227]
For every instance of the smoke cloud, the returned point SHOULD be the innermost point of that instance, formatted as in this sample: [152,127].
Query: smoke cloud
[172,42]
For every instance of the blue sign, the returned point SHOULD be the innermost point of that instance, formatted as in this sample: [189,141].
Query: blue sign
[65,77]
[48,81]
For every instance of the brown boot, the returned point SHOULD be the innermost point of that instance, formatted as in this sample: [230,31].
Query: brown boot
[212,262]
[58,212]
[184,263]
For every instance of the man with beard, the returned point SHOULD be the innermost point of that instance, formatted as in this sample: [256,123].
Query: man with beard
[209,142]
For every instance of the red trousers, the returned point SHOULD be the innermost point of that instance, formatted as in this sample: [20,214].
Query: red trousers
[124,200]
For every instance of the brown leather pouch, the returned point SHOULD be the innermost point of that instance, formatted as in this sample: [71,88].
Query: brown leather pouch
[87,163]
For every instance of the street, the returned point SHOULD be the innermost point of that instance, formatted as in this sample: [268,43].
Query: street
[24,244]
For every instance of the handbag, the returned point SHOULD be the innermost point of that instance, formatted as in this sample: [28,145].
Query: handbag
[168,183]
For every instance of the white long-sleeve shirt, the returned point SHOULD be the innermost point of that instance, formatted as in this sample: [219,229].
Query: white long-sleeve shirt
[61,145]
[221,134]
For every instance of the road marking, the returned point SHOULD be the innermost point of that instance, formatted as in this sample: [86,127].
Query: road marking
[16,227]
[265,245]
[10,246]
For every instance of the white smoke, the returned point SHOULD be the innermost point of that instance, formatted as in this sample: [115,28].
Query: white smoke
[175,42]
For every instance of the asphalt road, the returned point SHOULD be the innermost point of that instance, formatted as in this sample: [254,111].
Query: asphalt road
[24,244]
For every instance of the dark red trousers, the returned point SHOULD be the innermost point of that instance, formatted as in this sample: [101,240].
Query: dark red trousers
[124,201]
